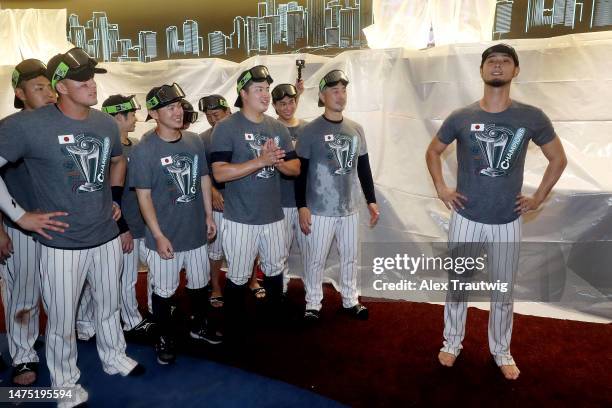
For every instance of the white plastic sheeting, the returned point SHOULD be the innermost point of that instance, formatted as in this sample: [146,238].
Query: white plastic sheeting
[31,33]
[401,97]
[407,24]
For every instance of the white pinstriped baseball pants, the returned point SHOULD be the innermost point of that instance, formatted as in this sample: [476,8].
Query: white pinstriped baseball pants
[242,243]
[21,294]
[129,305]
[318,242]
[165,273]
[501,242]
[63,274]
[215,248]
[292,230]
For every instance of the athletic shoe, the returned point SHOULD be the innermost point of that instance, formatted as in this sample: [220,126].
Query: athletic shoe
[165,350]
[203,334]
[79,398]
[137,371]
[144,330]
[23,368]
[359,312]
[312,315]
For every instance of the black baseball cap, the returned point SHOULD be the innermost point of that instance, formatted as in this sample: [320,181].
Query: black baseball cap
[500,48]
[189,115]
[115,104]
[282,90]
[212,102]
[332,78]
[258,73]
[164,95]
[74,64]
[27,69]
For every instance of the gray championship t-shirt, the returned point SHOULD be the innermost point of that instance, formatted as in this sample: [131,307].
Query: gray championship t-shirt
[129,201]
[18,182]
[333,150]
[254,199]
[206,137]
[68,161]
[288,183]
[491,150]
[173,172]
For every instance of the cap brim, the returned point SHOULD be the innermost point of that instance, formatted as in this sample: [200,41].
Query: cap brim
[18,103]
[238,102]
[101,71]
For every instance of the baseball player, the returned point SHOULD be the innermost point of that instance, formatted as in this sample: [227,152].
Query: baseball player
[189,115]
[285,100]
[73,155]
[216,108]
[333,154]
[20,252]
[169,172]
[249,149]
[131,225]
[492,135]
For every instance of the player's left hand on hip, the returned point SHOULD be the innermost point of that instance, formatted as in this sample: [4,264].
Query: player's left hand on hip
[525,204]
[116,212]
[374,213]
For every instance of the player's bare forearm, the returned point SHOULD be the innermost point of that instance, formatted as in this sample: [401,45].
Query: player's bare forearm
[289,168]
[118,168]
[450,197]
[433,157]
[207,194]
[557,161]
[224,171]
[145,202]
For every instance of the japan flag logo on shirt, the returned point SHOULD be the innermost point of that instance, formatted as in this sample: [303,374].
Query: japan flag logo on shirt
[477,127]
[249,136]
[65,139]
[165,161]
[328,138]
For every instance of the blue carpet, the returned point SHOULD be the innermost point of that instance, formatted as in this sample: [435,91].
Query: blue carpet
[190,382]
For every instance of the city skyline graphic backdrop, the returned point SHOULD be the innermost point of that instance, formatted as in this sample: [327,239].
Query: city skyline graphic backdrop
[150,30]
[549,18]
[146,30]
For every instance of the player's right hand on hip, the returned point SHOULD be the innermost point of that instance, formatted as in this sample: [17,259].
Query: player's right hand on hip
[451,198]
[164,248]
[38,222]
[305,220]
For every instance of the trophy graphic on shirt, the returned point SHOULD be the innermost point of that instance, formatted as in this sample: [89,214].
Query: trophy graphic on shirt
[256,146]
[183,171]
[91,157]
[492,142]
[344,149]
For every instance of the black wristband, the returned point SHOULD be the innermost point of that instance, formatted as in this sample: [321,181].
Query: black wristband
[122,224]
[300,184]
[364,172]
[117,194]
